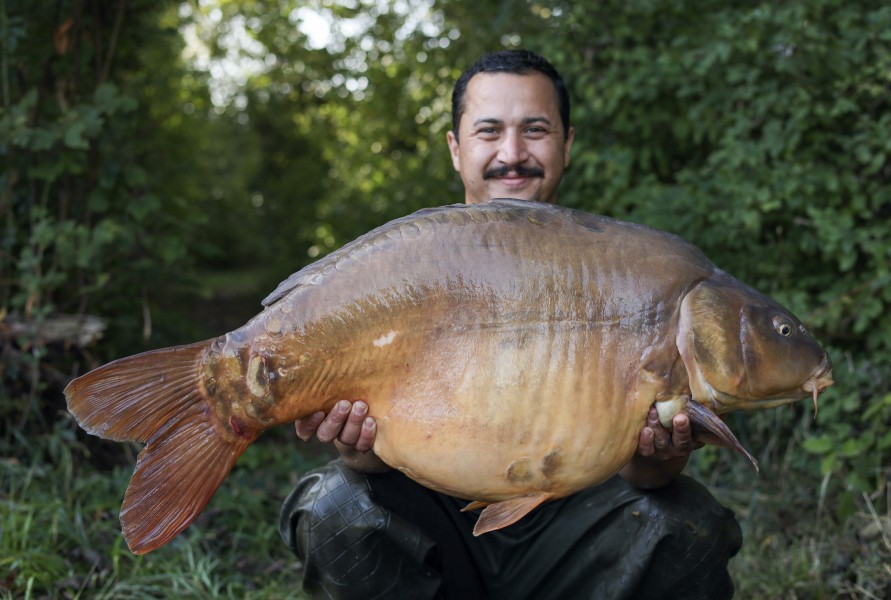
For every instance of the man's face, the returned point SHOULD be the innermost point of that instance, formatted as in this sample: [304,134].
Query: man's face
[511,142]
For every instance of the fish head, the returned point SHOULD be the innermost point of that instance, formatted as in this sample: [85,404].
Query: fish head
[744,351]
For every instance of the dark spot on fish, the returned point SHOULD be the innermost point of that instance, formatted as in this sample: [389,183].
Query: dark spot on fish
[551,463]
[520,470]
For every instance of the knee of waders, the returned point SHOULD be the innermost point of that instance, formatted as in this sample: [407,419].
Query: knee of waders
[697,538]
[351,546]
[330,508]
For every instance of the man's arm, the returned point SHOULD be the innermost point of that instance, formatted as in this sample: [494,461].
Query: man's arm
[661,455]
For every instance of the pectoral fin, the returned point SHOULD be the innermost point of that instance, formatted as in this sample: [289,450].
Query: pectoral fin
[707,427]
[507,512]
[475,505]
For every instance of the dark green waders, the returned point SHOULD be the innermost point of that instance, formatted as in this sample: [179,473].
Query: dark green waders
[384,536]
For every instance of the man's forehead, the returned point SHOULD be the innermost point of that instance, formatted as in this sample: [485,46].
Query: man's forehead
[489,93]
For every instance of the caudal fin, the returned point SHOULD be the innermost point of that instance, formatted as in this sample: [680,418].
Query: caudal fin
[156,398]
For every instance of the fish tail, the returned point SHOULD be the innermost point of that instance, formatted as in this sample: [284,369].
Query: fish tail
[157,398]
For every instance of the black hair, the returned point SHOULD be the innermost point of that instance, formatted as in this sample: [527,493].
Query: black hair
[517,62]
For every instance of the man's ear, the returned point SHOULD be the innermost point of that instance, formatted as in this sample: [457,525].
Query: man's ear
[452,141]
[567,146]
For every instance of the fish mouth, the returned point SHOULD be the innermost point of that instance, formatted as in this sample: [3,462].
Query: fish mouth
[818,383]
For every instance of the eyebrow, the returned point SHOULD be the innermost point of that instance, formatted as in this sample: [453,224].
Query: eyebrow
[525,121]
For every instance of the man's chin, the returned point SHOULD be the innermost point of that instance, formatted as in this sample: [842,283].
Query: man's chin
[525,192]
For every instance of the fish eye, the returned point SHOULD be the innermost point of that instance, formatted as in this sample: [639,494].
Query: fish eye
[783,327]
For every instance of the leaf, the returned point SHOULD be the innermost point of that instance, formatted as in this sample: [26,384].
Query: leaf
[75,137]
[818,445]
[143,205]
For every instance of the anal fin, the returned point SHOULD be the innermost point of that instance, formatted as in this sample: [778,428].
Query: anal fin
[507,512]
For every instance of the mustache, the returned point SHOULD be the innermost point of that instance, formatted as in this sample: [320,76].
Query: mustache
[518,170]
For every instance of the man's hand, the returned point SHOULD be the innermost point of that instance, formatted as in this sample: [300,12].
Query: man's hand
[352,431]
[658,443]
[661,454]
[348,422]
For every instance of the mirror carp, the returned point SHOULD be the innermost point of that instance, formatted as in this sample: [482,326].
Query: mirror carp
[508,351]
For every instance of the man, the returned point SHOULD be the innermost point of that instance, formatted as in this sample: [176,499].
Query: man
[365,531]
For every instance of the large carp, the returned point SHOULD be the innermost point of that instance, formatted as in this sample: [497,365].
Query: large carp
[509,352]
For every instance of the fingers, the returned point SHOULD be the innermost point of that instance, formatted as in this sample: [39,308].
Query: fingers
[645,445]
[333,423]
[348,422]
[661,436]
[681,435]
[307,426]
[352,427]
[658,442]
[366,436]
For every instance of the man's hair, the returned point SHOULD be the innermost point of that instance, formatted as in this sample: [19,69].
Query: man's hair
[516,62]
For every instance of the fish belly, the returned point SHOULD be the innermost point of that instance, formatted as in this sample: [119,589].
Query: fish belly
[511,413]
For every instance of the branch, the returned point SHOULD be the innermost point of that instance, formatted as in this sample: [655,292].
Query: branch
[73,330]
[113,42]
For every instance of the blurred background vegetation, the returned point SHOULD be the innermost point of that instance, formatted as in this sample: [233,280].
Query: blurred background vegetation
[165,164]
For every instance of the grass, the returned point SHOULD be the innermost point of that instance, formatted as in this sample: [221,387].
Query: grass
[61,535]
[795,546]
[60,494]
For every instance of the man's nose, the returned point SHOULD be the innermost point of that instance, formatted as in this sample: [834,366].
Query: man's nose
[512,150]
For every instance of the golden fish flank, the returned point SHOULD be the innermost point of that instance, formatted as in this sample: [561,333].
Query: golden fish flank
[478,335]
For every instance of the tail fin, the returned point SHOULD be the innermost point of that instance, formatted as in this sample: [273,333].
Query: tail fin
[156,398]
